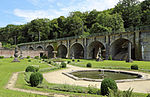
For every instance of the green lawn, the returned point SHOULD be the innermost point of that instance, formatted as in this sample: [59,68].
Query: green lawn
[110,64]
[7,68]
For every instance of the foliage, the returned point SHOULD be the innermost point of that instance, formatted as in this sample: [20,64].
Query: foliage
[29,60]
[7,68]
[75,89]
[32,69]
[68,62]
[134,66]
[88,65]
[110,57]
[36,79]
[126,14]
[106,84]
[28,57]
[44,56]
[1,57]
[148,95]
[63,65]
[36,57]
[27,77]
[128,93]
[78,60]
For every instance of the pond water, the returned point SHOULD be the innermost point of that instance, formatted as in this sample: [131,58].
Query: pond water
[98,74]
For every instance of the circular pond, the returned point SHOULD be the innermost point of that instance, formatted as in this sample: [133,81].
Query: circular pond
[99,74]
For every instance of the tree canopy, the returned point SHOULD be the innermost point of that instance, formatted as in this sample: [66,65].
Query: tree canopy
[127,13]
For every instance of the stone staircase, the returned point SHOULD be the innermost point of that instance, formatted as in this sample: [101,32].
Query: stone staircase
[121,55]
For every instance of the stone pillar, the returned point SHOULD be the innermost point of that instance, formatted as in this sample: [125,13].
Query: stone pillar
[107,47]
[129,53]
[68,49]
[138,47]
[85,52]
[85,49]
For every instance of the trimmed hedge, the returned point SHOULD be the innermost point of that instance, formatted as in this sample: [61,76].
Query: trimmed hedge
[36,78]
[88,65]
[1,57]
[63,65]
[108,84]
[36,57]
[134,67]
[32,69]
[28,57]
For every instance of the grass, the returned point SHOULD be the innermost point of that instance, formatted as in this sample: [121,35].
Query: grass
[110,64]
[53,88]
[7,68]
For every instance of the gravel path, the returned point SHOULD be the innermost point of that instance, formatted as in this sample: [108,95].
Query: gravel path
[59,78]
[11,86]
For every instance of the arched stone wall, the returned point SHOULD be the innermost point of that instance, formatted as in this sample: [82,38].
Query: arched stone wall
[31,48]
[94,49]
[119,49]
[39,48]
[50,50]
[77,51]
[61,51]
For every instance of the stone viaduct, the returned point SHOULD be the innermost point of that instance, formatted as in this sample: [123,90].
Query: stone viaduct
[133,44]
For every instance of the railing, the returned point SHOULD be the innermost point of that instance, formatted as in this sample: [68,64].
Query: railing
[131,29]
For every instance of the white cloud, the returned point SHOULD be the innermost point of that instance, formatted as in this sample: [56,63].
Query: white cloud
[29,15]
[55,8]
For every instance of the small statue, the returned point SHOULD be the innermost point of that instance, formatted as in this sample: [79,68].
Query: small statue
[21,54]
[16,55]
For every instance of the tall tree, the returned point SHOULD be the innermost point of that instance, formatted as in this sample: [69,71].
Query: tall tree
[130,11]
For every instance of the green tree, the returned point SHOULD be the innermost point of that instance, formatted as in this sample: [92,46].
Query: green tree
[130,11]
[145,7]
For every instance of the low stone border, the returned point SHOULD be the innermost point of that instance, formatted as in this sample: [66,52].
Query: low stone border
[140,76]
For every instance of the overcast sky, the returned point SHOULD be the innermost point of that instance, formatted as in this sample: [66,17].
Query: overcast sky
[23,11]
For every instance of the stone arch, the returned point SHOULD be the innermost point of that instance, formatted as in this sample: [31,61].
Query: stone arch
[50,50]
[39,48]
[31,48]
[77,51]
[61,51]
[94,49]
[119,49]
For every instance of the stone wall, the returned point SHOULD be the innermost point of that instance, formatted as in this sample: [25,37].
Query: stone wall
[25,53]
[145,45]
[6,53]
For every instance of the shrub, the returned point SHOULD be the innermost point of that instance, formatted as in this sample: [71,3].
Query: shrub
[44,56]
[110,57]
[35,79]
[148,95]
[128,93]
[27,76]
[63,65]
[28,57]
[11,56]
[32,69]
[49,62]
[1,57]
[68,62]
[73,60]
[88,65]
[78,60]
[29,60]
[36,57]
[40,77]
[92,90]
[134,67]
[106,84]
